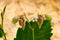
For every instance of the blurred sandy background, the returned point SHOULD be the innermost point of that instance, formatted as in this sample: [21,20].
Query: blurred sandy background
[31,8]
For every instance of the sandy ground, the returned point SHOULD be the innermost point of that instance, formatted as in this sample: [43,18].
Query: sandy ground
[31,8]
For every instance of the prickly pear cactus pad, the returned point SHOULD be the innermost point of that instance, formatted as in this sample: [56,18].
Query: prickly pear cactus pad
[36,29]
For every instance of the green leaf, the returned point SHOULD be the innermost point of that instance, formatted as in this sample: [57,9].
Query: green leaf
[48,17]
[33,32]
[44,33]
[3,12]
[15,19]
[2,34]
[24,34]
[33,24]
[2,15]
[1,31]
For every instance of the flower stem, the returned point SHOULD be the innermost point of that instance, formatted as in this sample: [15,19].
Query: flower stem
[30,26]
[5,36]
[33,33]
[26,17]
